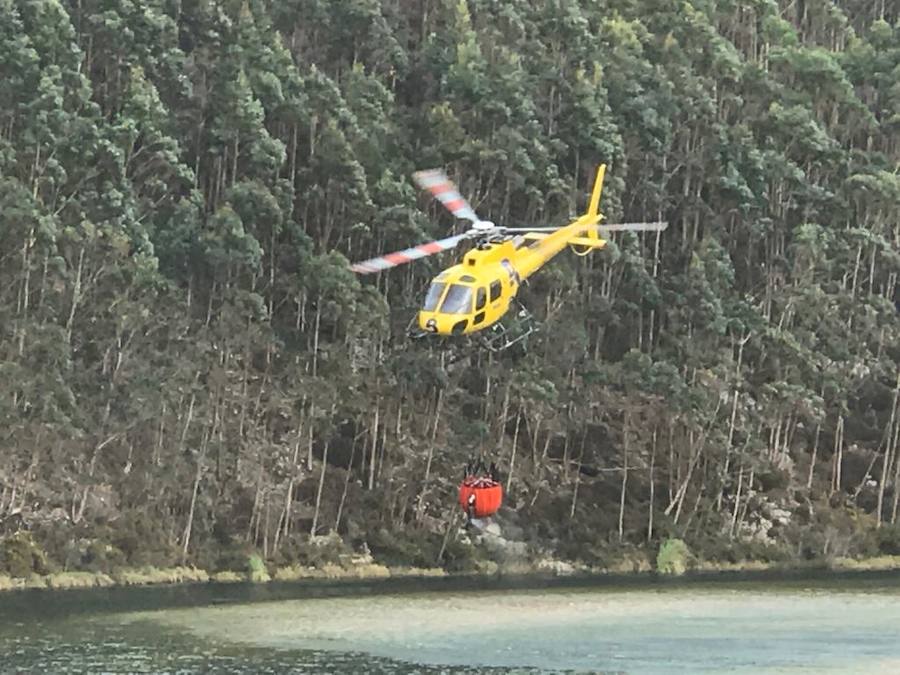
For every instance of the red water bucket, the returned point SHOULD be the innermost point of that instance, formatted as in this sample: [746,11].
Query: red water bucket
[480,496]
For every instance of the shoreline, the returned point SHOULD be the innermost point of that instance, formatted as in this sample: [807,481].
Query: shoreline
[372,572]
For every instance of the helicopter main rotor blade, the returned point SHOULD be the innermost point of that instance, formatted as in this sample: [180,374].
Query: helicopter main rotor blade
[530,229]
[437,183]
[407,255]
[634,227]
[611,227]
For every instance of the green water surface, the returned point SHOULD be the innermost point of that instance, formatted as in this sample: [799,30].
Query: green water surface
[837,625]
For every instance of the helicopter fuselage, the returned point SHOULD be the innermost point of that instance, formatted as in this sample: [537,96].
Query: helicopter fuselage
[474,294]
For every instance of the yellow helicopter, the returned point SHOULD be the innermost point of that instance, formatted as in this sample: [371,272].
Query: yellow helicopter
[477,293]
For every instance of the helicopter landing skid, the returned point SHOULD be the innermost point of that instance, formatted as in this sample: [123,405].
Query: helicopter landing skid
[498,338]
[505,334]
[414,332]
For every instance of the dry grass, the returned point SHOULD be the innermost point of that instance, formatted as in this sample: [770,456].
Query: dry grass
[78,580]
[227,577]
[743,566]
[297,572]
[332,571]
[154,575]
[882,562]
[417,571]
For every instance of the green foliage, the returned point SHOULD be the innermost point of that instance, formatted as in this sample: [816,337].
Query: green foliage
[312,553]
[674,558]
[395,548]
[21,556]
[889,540]
[191,374]
[256,569]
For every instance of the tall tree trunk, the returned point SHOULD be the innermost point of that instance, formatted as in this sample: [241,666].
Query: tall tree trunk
[315,349]
[624,479]
[578,475]
[373,453]
[838,456]
[420,506]
[812,460]
[652,488]
[204,444]
[888,453]
[512,457]
[340,509]
[76,295]
[315,520]
[289,492]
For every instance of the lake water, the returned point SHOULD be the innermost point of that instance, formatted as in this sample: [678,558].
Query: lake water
[829,624]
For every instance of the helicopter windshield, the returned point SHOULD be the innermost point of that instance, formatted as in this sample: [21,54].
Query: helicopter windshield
[434,294]
[458,300]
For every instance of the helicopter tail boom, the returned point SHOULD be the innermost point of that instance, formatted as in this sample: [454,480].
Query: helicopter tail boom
[594,206]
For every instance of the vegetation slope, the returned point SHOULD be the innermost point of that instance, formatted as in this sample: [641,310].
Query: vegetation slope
[190,374]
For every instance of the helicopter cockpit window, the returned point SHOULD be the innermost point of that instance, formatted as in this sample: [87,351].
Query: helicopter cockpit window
[434,294]
[458,300]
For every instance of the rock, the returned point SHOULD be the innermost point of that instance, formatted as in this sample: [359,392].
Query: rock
[558,567]
[492,528]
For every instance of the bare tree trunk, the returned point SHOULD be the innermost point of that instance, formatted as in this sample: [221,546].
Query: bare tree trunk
[340,510]
[196,488]
[731,425]
[896,482]
[812,461]
[315,521]
[450,523]
[420,506]
[372,455]
[254,510]
[652,488]
[624,479]
[737,501]
[315,359]
[309,438]
[512,458]
[76,295]
[746,505]
[285,521]
[503,414]
[25,292]
[266,529]
[578,475]
[678,500]
[838,455]
[886,466]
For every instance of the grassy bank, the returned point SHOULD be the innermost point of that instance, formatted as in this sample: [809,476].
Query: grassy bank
[373,571]
[176,575]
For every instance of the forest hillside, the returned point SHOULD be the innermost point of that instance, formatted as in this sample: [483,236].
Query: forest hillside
[190,373]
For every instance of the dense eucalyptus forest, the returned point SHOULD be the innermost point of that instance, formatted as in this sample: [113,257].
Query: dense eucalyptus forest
[190,372]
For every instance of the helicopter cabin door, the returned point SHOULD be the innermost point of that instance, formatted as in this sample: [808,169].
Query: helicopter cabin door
[480,304]
[496,294]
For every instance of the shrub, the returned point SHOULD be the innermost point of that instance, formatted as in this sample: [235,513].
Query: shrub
[888,538]
[256,569]
[305,552]
[674,557]
[20,556]
[101,557]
